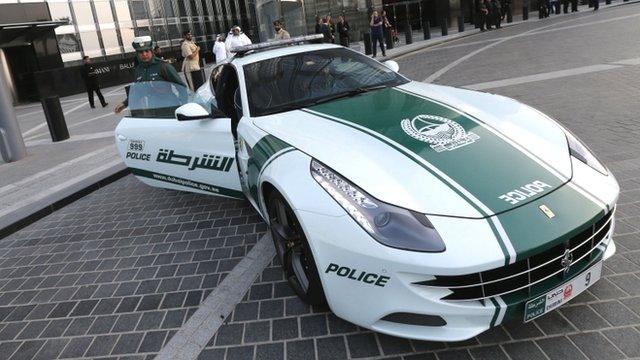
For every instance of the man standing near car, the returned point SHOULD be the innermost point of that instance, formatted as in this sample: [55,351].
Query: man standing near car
[149,68]
[91,82]
[343,31]
[190,52]
[376,23]
[281,33]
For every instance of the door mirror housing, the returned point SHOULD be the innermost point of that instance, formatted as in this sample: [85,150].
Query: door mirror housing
[392,65]
[193,111]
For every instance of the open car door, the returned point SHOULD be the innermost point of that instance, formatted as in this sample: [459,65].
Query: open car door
[167,141]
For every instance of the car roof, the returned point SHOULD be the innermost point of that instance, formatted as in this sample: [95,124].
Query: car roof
[278,52]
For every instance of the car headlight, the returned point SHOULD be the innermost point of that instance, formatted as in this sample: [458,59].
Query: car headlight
[580,151]
[389,225]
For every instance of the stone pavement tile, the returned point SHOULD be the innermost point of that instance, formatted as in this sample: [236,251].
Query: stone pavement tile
[246,311]
[300,350]
[605,290]
[615,313]
[152,341]
[392,345]
[560,348]
[454,355]
[229,334]
[56,328]
[173,319]
[32,330]
[493,352]
[331,348]
[524,350]
[362,345]
[8,348]
[339,326]
[519,330]
[596,346]
[79,326]
[495,334]
[271,309]
[240,353]
[101,345]
[51,349]
[27,350]
[127,344]
[553,323]
[629,283]
[273,351]
[423,346]
[295,306]
[126,322]
[76,347]
[313,325]
[625,339]
[258,331]
[583,317]
[426,356]
[286,328]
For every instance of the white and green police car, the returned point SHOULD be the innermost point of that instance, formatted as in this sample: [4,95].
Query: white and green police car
[412,209]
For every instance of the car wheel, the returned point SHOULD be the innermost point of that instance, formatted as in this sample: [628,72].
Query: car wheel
[293,251]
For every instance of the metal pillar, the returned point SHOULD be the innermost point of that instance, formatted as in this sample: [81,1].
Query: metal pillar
[11,143]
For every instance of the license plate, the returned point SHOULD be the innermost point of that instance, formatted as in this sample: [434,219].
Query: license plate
[135,145]
[562,294]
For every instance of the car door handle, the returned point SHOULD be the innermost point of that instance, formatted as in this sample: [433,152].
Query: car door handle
[122,137]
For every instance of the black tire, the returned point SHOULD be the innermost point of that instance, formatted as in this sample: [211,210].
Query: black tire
[293,251]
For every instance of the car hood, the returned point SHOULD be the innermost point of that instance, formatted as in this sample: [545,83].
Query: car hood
[433,149]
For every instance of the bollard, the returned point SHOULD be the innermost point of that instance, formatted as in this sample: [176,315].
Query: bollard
[408,34]
[426,30]
[444,27]
[525,13]
[55,118]
[460,23]
[198,77]
[388,39]
[366,37]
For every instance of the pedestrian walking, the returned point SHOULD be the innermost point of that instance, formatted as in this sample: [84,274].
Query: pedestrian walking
[149,68]
[377,23]
[483,14]
[236,38]
[281,33]
[90,77]
[220,49]
[386,26]
[343,31]
[496,10]
[191,54]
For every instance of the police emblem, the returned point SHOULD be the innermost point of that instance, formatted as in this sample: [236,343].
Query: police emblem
[441,133]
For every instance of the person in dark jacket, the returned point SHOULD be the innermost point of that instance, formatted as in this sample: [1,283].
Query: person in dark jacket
[151,68]
[376,23]
[483,15]
[496,11]
[91,82]
[343,31]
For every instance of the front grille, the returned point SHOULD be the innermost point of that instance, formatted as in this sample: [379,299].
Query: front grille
[524,274]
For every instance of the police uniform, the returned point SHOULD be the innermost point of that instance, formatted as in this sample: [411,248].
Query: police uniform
[154,70]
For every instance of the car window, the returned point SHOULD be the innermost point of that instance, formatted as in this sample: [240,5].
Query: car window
[157,99]
[294,81]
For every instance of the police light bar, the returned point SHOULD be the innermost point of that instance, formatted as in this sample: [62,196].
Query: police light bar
[241,50]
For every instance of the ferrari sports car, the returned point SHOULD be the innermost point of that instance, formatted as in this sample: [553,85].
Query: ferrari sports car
[416,210]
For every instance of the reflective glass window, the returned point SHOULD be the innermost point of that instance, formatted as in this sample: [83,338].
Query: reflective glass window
[168,9]
[159,33]
[122,11]
[110,41]
[139,11]
[205,9]
[103,12]
[182,10]
[68,43]
[155,8]
[60,12]
[194,8]
[174,31]
[84,15]
[127,35]
[143,31]
[90,43]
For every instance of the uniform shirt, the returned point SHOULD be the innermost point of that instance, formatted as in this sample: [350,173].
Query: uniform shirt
[155,70]
[235,41]
[282,34]
[220,51]
[188,47]
[89,75]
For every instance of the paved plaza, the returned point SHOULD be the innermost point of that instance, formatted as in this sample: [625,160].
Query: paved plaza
[118,273]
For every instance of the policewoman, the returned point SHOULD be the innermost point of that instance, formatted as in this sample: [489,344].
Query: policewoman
[150,67]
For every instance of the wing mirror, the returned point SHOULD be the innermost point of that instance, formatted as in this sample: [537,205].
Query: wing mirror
[392,65]
[193,111]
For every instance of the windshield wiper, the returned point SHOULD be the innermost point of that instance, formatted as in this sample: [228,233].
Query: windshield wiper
[346,94]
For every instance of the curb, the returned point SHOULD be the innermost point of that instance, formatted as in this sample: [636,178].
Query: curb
[27,215]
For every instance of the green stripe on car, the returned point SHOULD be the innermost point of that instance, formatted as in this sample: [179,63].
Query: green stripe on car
[261,153]
[213,189]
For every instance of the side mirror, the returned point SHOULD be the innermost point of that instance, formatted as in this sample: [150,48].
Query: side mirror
[392,65]
[193,111]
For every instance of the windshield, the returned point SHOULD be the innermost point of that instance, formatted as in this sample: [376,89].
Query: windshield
[160,99]
[304,79]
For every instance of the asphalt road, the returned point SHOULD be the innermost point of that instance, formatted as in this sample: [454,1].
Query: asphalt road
[118,273]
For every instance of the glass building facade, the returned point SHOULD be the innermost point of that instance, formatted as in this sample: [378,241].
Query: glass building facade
[105,28]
